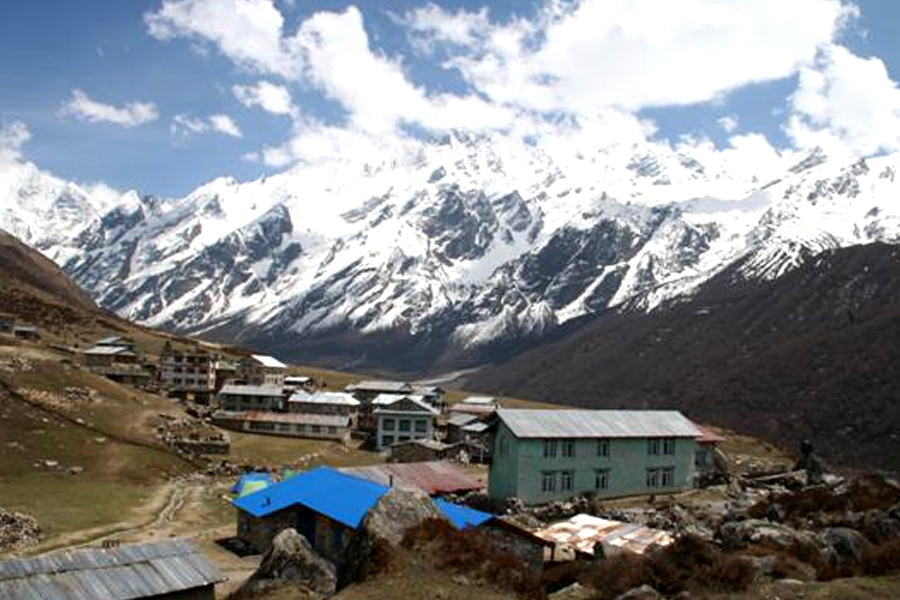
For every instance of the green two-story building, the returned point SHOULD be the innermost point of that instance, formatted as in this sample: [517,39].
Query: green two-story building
[546,455]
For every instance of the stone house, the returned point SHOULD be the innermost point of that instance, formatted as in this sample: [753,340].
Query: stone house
[401,419]
[188,373]
[259,369]
[326,507]
[262,398]
[324,403]
[546,455]
[300,425]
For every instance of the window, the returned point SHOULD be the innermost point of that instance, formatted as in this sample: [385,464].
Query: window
[387,440]
[669,446]
[332,429]
[404,425]
[317,429]
[653,446]
[549,448]
[421,426]
[566,481]
[387,424]
[668,477]
[603,448]
[652,478]
[568,448]
[548,481]
[601,479]
[701,458]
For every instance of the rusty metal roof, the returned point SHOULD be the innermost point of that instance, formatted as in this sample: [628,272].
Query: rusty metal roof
[582,532]
[432,477]
[126,572]
[536,423]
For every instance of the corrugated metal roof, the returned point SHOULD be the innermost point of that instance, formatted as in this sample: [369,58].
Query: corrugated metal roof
[582,532]
[339,398]
[123,573]
[251,390]
[480,401]
[109,350]
[269,361]
[472,409]
[386,402]
[339,496]
[460,419]
[296,418]
[432,477]
[396,387]
[532,423]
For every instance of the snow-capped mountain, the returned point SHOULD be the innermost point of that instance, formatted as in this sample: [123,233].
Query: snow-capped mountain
[467,244]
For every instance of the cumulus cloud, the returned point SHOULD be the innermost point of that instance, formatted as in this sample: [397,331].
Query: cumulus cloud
[184,125]
[249,32]
[270,97]
[555,74]
[729,123]
[846,102]
[12,137]
[82,107]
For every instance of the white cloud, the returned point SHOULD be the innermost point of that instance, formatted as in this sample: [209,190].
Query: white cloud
[729,123]
[249,32]
[431,24]
[270,97]
[82,107]
[846,103]
[12,137]
[558,74]
[184,125]
[224,124]
[636,54]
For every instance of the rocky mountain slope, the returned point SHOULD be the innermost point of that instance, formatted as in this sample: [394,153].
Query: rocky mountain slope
[460,251]
[814,354]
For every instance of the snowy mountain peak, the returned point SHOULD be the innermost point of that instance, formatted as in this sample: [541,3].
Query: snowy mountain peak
[467,243]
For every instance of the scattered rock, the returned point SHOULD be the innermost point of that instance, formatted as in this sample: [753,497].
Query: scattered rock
[848,543]
[18,530]
[291,561]
[645,592]
[576,591]
[76,470]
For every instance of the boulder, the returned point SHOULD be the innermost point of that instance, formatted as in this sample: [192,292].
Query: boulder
[384,526]
[576,591]
[291,561]
[848,544]
[739,534]
[645,592]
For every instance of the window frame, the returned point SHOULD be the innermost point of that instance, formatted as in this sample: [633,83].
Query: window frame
[567,481]
[550,448]
[567,448]
[601,476]
[603,447]
[652,478]
[548,482]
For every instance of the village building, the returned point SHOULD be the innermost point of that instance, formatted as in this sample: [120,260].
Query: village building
[512,537]
[471,430]
[326,507]
[259,369]
[367,391]
[432,394]
[401,419]
[226,372]
[188,373]
[434,478]
[324,403]
[422,450]
[480,410]
[106,356]
[546,455]
[127,374]
[262,398]
[299,425]
[7,323]
[705,459]
[115,341]
[296,383]
[170,569]
[25,331]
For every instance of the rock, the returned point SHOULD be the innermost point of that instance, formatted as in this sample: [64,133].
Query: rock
[763,565]
[737,534]
[460,580]
[791,583]
[576,591]
[645,592]
[292,561]
[76,470]
[383,526]
[848,543]
[17,530]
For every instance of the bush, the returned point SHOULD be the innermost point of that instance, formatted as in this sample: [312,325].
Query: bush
[882,559]
[472,552]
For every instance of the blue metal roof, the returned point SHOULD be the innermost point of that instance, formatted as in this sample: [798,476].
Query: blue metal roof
[340,497]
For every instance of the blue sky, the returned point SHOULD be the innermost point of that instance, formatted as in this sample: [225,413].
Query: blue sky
[439,67]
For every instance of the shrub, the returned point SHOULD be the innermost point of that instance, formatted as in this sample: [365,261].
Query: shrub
[473,552]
